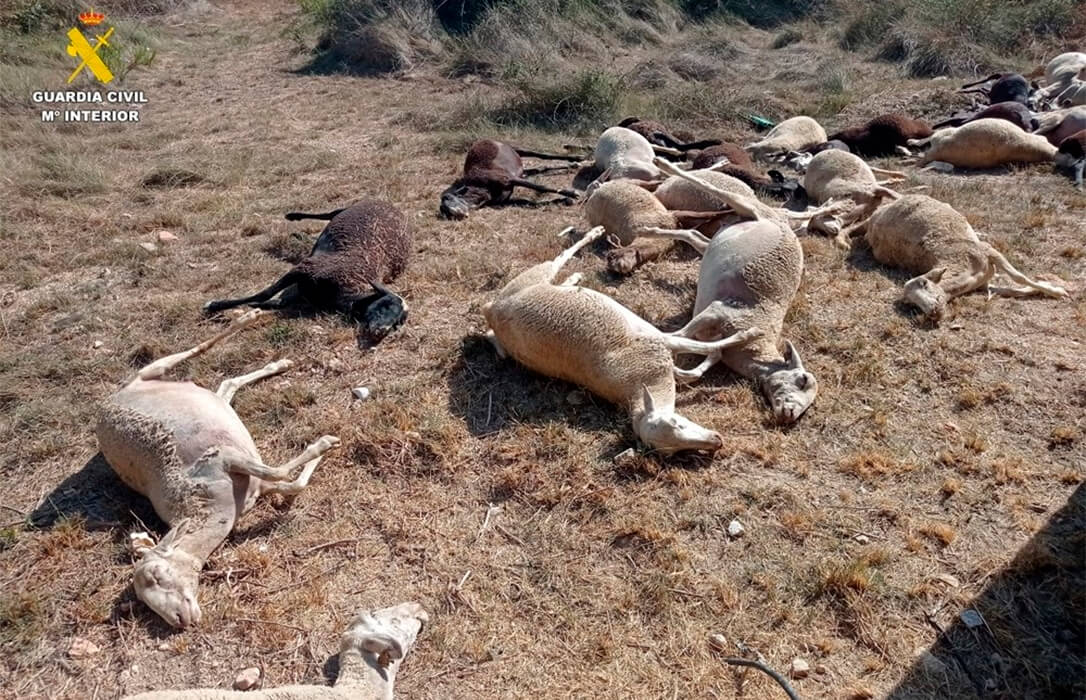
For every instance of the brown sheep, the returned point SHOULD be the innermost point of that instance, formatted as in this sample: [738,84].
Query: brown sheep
[363,246]
[491,170]
[882,135]
[740,166]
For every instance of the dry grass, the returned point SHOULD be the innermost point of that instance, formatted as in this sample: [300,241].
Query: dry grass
[947,448]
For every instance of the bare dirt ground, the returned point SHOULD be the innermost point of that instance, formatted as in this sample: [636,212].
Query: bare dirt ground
[939,469]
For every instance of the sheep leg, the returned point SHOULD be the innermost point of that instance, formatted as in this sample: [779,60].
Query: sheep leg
[566,255]
[291,488]
[1001,263]
[260,297]
[160,366]
[744,206]
[572,281]
[237,462]
[918,143]
[521,182]
[549,169]
[230,386]
[895,174]
[547,156]
[686,376]
[666,150]
[680,345]
[688,235]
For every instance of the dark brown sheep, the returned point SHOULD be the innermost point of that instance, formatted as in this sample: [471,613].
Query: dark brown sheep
[363,246]
[882,135]
[1071,157]
[741,167]
[1013,112]
[491,170]
[1005,87]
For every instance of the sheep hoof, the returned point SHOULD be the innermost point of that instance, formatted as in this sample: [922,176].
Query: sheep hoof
[940,166]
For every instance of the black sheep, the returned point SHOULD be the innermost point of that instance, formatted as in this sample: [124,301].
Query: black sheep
[363,246]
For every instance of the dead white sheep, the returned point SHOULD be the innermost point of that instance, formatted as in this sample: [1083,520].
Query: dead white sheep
[370,654]
[585,337]
[795,134]
[749,276]
[839,176]
[933,240]
[985,143]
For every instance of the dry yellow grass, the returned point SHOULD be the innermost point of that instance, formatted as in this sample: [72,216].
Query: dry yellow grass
[948,449]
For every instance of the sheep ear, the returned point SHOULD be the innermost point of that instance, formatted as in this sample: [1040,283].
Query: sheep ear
[794,360]
[173,535]
[646,396]
[935,275]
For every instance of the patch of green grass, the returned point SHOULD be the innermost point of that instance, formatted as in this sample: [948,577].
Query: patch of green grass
[588,97]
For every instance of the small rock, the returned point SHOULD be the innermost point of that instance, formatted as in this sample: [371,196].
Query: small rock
[335,364]
[148,246]
[625,456]
[862,539]
[361,393]
[972,618]
[718,642]
[247,679]
[800,668]
[940,77]
[98,344]
[166,237]
[82,648]
[165,646]
[736,529]
[821,669]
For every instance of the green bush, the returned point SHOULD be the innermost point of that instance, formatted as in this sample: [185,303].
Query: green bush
[589,97]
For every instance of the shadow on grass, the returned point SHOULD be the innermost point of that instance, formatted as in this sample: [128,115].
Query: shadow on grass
[1032,643]
[97,496]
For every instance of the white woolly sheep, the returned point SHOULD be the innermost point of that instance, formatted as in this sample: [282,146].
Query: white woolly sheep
[185,449]
[795,134]
[928,237]
[585,337]
[749,275]
[985,143]
[627,211]
[1065,82]
[370,653]
[838,176]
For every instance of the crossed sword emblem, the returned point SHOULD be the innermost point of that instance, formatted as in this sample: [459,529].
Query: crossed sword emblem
[89,54]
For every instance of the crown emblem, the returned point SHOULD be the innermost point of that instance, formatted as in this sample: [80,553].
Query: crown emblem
[91,18]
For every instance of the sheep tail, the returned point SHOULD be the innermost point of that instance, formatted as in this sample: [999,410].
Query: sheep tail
[1003,265]
[327,216]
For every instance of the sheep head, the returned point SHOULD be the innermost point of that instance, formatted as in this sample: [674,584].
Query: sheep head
[378,314]
[461,197]
[924,293]
[388,633]
[791,389]
[166,579]
[667,432]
